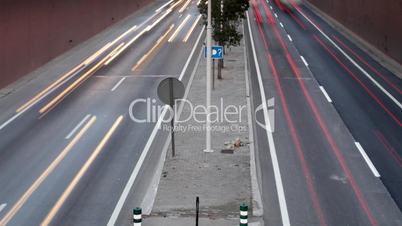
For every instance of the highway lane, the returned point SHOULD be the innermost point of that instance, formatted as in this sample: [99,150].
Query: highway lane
[371,116]
[29,144]
[324,177]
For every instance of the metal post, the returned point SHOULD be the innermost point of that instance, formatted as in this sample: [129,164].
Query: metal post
[137,216]
[243,215]
[197,210]
[213,74]
[172,122]
[209,55]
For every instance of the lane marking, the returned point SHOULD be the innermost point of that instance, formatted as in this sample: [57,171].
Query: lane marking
[304,61]
[77,127]
[270,7]
[192,28]
[353,62]
[280,23]
[325,94]
[133,176]
[179,28]
[276,15]
[367,159]
[290,38]
[272,148]
[2,206]
[18,205]
[118,84]
[48,219]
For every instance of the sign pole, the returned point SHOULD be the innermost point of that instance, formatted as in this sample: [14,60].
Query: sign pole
[172,122]
[213,74]
[208,85]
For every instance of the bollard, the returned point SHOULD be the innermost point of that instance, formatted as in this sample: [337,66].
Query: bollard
[137,216]
[243,215]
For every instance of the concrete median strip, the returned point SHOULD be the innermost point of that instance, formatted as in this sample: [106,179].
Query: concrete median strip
[222,181]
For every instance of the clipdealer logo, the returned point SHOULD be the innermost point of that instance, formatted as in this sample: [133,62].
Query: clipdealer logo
[195,115]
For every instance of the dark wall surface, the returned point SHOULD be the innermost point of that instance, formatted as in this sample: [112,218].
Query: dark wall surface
[32,32]
[379,22]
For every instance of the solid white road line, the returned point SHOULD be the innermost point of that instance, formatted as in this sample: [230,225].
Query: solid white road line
[290,38]
[325,94]
[354,62]
[78,126]
[367,159]
[275,164]
[2,206]
[118,84]
[304,61]
[133,176]
[280,23]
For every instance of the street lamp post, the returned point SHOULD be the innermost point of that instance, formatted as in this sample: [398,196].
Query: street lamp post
[209,56]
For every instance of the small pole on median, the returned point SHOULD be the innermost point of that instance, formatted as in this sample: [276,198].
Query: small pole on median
[171,98]
[137,216]
[243,215]
[197,209]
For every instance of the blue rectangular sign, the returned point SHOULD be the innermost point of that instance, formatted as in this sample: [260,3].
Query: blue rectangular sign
[217,52]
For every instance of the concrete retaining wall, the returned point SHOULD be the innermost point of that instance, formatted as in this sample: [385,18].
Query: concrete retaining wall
[379,22]
[34,32]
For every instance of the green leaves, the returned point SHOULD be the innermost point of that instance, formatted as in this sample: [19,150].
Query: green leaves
[226,17]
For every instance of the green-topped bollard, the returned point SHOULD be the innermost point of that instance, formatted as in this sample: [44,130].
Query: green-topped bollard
[243,215]
[137,216]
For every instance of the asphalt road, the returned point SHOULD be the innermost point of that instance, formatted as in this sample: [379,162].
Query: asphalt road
[312,169]
[67,163]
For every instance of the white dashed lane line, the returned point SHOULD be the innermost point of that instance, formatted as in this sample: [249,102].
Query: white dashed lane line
[304,61]
[325,94]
